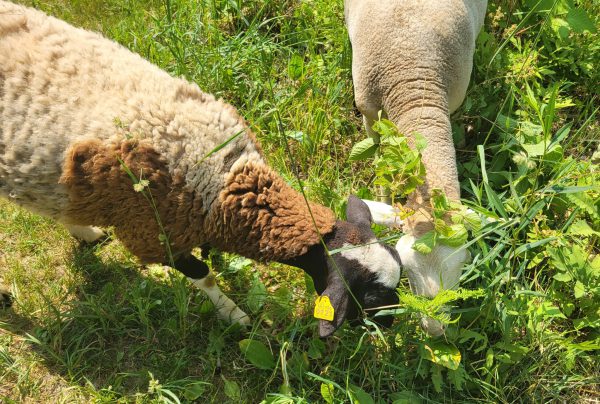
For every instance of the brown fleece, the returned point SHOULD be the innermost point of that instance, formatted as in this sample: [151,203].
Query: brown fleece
[102,194]
[257,215]
[266,219]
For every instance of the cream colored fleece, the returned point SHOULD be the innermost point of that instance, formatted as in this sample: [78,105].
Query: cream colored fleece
[76,107]
[60,85]
[413,60]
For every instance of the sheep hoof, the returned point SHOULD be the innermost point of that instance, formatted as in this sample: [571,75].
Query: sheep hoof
[6,299]
[237,316]
[87,234]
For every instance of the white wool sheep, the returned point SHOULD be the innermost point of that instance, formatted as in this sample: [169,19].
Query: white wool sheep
[412,59]
[82,119]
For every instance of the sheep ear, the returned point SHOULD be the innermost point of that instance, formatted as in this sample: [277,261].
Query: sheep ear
[383,214]
[357,212]
[339,299]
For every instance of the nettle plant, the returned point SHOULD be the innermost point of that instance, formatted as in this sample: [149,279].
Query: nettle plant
[398,167]
[399,170]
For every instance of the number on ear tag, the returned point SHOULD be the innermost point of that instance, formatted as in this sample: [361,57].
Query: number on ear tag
[323,308]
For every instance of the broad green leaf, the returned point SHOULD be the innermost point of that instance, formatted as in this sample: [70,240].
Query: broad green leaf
[363,150]
[296,67]
[489,358]
[439,202]
[425,243]
[231,389]
[466,335]
[194,391]
[554,154]
[471,220]
[405,397]
[360,396]
[548,310]
[530,130]
[567,308]
[507,123]
[560,27]
[595,266]
[257,353]
[442,228]
[327,392]
[457,236]
[256,295]
[579,290]
[563,277]
[535,150]
[582,228]
[216,342]
[584,202]
[514,352]
[436,378]
[239,263]
[443,354]
[592,321]
[420,142]
[457,377]
[579,21]
[385,128]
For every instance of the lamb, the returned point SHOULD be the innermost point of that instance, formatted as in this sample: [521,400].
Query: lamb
[412,59]
[91,134]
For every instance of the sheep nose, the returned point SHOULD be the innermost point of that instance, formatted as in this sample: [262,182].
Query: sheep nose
[433,327]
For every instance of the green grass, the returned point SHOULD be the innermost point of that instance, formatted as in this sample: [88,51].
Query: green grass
[90,325]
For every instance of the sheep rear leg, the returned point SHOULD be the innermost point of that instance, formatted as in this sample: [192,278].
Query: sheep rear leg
[199,274]
[89,234]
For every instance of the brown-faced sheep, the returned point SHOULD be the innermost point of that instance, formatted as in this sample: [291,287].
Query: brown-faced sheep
[82,119]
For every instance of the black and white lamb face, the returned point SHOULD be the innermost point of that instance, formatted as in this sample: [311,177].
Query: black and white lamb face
[362,275]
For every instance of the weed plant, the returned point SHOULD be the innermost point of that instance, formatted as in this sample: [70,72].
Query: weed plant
[90,325]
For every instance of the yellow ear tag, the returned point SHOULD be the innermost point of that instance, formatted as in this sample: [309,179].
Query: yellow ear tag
[323,308]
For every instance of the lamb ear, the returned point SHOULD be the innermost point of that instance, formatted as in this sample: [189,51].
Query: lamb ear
[340,299]
[384,214]
[357,212]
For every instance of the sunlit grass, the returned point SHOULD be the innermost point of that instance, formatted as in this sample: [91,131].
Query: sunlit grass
[90,324]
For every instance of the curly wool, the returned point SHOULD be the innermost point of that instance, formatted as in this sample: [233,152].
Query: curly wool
[60,85]
[76,109]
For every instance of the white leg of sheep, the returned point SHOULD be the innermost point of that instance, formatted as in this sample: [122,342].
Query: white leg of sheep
[89,234]
[199,274]
[226,308]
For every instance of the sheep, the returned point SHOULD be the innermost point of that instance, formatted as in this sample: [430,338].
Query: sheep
[412,59]
[94,136]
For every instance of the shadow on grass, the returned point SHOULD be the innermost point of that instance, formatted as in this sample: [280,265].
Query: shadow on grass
[125,326]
